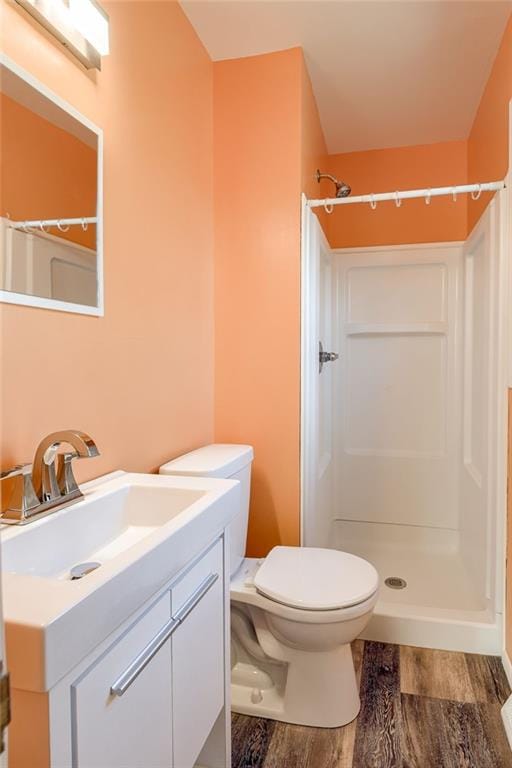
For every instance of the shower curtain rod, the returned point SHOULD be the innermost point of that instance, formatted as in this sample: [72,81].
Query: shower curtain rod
[475,190]
[40,223]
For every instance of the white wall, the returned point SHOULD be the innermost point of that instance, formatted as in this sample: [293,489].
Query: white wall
[477,476]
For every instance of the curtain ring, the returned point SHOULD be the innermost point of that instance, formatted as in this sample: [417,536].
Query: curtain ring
[328,208]
[84,225]
[476,195]
[41,227]
[454,194]
[373,204]
[61,228]
[398,202]
[428,197]
[24,226]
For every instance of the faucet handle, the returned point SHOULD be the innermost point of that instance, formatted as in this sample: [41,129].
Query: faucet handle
[19,469]
[23,497]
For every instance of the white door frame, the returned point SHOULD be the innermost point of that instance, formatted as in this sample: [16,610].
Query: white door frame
[308,370]
[306,332]
[504,331]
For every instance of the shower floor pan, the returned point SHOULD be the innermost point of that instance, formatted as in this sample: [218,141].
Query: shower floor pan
[438,607]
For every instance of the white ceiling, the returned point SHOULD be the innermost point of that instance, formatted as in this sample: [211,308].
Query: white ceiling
[385,73]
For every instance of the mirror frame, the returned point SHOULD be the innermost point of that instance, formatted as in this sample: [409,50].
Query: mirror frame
[10,297]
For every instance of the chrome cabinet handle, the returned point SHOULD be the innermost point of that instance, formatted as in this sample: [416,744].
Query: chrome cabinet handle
[196,597]
[130,674]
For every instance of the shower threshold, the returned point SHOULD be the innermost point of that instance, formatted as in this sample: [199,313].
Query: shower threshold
[430,599]
[443,628]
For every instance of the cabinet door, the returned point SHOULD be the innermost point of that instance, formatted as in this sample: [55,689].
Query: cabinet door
[131,729]
[198,657]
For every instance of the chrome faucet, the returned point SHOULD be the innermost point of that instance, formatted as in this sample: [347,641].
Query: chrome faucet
[48,483]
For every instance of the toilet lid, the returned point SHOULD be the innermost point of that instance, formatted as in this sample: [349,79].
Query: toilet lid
[315,579]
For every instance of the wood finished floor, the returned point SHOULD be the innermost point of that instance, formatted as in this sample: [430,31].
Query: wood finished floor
[419,709]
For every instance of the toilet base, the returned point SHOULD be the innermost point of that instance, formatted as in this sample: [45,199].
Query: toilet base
[313,689]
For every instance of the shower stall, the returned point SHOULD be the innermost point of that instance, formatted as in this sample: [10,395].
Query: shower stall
[404,445]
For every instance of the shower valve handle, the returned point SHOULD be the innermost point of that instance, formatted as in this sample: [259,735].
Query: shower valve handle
[325,357]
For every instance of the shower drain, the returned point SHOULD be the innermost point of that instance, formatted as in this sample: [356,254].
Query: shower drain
[395,582]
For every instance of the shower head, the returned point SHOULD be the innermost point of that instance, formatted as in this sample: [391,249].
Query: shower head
[342,189]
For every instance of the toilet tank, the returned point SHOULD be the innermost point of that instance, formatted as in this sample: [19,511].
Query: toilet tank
[227,461]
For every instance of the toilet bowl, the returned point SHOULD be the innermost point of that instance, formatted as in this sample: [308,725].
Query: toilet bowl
[294,614]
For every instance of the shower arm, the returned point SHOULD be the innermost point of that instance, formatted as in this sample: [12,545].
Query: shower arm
[320,176]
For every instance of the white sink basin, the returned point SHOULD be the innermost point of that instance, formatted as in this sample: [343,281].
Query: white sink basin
[141,529]
[98,531]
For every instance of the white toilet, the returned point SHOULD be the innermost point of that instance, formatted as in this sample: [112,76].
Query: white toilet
[293,613]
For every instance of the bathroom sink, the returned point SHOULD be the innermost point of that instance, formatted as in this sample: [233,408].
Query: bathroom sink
[139,529]
[97,530]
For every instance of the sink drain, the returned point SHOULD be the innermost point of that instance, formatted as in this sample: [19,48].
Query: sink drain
[82,569]
[395,582]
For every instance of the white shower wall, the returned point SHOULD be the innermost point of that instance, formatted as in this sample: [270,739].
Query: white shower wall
[398,385]
[481,412]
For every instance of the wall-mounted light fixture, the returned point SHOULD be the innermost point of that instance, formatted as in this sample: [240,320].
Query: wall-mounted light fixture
[81,25]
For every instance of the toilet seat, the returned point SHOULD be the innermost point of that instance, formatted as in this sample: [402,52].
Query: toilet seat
[316,579]
[242,590]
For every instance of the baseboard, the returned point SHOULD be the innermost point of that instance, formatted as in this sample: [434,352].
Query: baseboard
[506,716]
[447,634]
[507,666]
[506,710]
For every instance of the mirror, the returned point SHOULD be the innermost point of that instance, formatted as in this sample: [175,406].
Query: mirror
[50,203]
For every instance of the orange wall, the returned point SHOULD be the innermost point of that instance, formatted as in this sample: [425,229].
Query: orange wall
[45,172]
[267,141]
[382,170]
[257,244]
[488,149]
[139,380]
[313,146]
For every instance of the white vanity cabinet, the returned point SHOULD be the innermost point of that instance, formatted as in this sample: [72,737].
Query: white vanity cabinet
[152,695]
[198,659]
[133,729]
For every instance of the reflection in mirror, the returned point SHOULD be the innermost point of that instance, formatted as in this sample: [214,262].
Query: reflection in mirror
[48,198]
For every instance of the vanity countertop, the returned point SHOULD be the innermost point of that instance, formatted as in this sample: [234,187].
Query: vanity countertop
[143,529]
